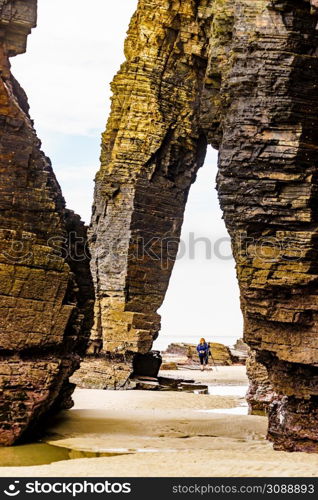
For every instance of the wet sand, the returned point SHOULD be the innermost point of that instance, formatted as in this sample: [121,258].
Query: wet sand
[164,434]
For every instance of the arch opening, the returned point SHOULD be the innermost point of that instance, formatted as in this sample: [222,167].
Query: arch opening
[202,298]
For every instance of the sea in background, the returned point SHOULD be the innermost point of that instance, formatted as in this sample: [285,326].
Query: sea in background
[163,341]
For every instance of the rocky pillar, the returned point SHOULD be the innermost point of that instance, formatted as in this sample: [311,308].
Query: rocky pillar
[151,151]
[46,291]
[267,186]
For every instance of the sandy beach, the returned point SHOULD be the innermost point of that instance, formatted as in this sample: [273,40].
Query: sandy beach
[150,433]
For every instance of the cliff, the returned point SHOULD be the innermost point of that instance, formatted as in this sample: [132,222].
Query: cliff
[241,76]
[266,183]
[46,291]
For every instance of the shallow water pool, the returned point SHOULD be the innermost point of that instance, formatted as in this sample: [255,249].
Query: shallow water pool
[228,390]
[238,410]
[42,453]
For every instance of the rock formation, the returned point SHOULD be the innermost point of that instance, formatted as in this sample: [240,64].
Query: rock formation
[241,76]
[46,291]
[152,149]
[266,182]
[260,393]
[240,351]
[221,354]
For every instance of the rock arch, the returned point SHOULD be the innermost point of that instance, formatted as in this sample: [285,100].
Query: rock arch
[241,76]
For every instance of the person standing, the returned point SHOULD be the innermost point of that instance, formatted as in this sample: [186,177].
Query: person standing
[203,353]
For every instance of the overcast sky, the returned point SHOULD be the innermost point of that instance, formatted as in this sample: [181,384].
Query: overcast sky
[71,59]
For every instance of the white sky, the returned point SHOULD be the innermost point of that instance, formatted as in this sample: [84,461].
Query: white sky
[71,58]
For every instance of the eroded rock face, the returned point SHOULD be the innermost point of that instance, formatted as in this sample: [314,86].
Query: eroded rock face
[241,76]
[46,291]
[152,149]
[260,393]
[267,189]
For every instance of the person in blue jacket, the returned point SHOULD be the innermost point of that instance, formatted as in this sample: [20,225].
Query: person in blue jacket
[203,351]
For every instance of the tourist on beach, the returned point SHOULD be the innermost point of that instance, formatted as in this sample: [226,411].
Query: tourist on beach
[203,352]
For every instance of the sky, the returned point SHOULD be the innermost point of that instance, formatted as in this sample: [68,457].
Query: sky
[72,56]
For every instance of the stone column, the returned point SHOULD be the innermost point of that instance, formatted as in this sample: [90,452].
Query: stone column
[267,186]
[151,151]
[45,309]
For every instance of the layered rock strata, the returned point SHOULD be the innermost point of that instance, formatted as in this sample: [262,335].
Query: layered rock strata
[267,189]
[152,149]
[260,394]
[46,292]
[241,76]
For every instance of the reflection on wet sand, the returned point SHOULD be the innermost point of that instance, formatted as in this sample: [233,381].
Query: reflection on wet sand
[31,454]
[43,453]
[87,432]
